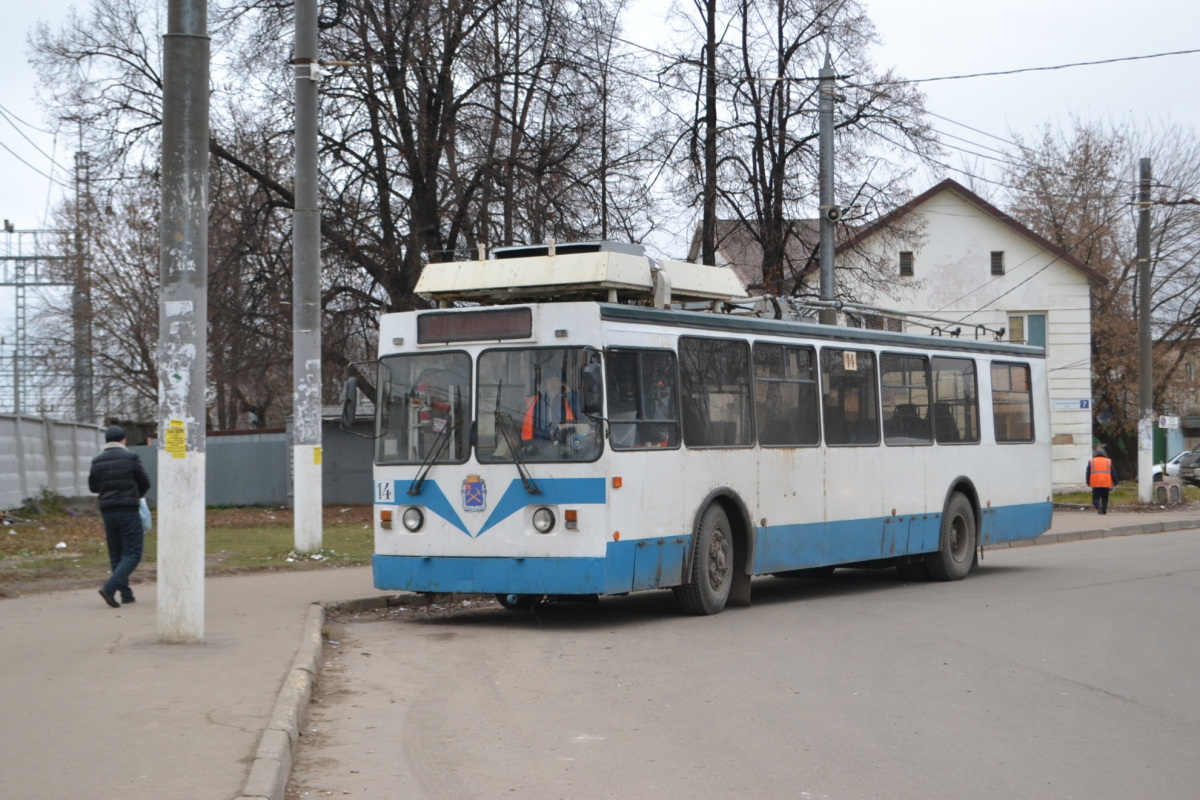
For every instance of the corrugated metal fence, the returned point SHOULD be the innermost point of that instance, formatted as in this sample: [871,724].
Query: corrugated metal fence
[38,453]
[251,469]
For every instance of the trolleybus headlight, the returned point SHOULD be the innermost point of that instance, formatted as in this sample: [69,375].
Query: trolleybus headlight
[543,520]
[413,519]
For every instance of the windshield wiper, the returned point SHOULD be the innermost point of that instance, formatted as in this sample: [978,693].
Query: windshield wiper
[439,444]
[504,422]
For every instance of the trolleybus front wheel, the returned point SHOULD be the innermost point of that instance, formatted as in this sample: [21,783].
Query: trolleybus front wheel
[712,566]
[518,602]
[956,553]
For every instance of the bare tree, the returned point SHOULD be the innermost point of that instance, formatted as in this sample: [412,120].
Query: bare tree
[767,59]
[1075,186]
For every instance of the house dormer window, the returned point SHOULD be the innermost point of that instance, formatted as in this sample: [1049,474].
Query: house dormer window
[997,262]
[906,262]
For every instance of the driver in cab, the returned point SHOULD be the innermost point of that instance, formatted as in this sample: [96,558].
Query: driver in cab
[549,408]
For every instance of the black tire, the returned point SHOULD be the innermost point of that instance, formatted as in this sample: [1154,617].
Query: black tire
[956,551]
[712,566]
[518,602]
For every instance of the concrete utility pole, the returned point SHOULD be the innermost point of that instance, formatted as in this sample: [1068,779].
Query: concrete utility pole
[829,212]
[1145,350]
[183,324]
[306,292]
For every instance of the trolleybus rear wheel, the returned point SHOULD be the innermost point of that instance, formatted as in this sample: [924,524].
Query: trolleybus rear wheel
[956,553]
[712,566]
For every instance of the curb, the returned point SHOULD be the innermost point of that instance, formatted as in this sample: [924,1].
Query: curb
[1100,533]
[272,765]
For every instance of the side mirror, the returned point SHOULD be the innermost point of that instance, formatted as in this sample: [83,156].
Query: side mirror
[593,390]
[350,405]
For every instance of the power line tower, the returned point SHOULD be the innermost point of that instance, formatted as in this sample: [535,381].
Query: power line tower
[29,258]
[81,292]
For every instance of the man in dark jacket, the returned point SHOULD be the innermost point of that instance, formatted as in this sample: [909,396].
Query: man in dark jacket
[119,478]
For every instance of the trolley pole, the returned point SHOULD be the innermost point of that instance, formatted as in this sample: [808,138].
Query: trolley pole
[1145,349]
[306,292]
[829,212]
[182,324]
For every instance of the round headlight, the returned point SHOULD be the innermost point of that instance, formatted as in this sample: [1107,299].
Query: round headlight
[413,519]
[543,520]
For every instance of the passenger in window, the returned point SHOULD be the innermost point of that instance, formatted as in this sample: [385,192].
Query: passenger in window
[553,405]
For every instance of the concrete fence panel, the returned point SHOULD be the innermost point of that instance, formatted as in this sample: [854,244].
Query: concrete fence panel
[38,453]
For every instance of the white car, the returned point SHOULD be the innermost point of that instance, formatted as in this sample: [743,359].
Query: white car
[1171,467]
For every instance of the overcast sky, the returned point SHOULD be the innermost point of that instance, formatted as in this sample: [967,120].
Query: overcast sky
[921,39]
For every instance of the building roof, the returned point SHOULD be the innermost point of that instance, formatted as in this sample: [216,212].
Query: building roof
[988,210]
[738,246]
[743,253]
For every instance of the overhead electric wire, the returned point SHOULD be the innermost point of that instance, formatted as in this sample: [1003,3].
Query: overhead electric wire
[9,117]
[1020,70]
[1008,161]
[31,166]
[23,122]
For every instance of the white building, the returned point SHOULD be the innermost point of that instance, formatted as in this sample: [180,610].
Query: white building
[955,257]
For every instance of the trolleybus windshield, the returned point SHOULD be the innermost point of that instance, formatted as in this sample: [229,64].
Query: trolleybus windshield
[530,406]
[424,408]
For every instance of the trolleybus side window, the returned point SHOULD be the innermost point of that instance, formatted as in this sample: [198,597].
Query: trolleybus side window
[643,409]
[955,401]
[1012,403]
[849,396]
[785,395]
[904,380]
[425,408]
[530,406]
[715,389]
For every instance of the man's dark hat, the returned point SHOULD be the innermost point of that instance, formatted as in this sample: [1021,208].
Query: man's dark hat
[115,433]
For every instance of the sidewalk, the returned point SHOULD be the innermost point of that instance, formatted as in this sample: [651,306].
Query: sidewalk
[93,707]
[1069,525]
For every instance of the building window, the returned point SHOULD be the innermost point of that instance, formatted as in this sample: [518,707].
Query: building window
[997,262]
[1027,329]
[906,262]
[877,322]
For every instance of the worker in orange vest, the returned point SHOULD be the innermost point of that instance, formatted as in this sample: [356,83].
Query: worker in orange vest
[1101,475]
[548,408]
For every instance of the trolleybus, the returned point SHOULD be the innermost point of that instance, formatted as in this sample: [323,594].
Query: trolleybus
[562,426]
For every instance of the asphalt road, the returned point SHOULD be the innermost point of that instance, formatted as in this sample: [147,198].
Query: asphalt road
[1065,671]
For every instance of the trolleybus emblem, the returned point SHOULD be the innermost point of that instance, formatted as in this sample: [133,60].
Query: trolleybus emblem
[474,494]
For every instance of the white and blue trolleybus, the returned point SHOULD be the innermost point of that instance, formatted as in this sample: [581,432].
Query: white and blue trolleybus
[561,425]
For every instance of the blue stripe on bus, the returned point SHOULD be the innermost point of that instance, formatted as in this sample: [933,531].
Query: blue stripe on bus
[627,566]
[490,575]
[814,544]
[634,564]
[1009,523]
[554,491]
